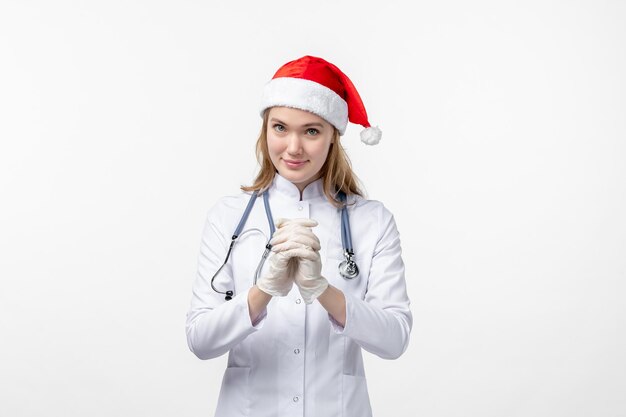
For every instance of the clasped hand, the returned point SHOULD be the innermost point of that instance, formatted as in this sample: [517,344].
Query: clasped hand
[295,258]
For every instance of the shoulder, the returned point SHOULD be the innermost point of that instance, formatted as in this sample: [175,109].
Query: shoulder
[226,211]
[372,213]
[230,203]
[364,206]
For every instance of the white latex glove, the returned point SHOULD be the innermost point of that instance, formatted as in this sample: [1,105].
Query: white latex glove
[294,234]
[278,280]
[295,238]
[309,277]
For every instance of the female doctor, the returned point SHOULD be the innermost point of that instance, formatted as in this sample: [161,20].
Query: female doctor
[333,283]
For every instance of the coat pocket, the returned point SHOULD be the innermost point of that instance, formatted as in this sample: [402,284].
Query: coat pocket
[234,398]
[356,401]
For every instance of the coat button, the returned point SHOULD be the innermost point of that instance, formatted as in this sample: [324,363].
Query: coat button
[298,301]
[296,351]
[295,399]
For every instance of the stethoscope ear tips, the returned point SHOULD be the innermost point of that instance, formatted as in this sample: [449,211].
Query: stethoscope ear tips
[229,295]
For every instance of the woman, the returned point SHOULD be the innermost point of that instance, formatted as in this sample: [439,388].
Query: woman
[294,327]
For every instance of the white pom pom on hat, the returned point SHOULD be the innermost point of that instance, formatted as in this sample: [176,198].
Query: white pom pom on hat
[371,135]
[314,84]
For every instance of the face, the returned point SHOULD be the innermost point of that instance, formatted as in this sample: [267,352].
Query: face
[298,142]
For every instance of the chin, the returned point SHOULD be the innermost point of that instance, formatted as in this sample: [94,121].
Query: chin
[295,176]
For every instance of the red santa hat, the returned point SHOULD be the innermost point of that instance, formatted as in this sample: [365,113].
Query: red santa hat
[314,84]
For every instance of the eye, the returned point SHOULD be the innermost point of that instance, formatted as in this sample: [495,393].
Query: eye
[278,127]
[312,132]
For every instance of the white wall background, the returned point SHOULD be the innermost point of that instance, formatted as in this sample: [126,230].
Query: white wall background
[121,122]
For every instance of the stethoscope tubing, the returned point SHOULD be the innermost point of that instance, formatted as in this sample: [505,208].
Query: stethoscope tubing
[346,239]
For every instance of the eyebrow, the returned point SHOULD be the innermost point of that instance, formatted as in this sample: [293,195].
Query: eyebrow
[273,119]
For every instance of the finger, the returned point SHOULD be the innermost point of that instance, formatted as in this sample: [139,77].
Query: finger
[284,249]
[304,221]
[305,239]
[301,252]
[281,258]
[281,247]
[281,222]
[293,230]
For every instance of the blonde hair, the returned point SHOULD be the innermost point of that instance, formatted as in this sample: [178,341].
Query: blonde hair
[336,173]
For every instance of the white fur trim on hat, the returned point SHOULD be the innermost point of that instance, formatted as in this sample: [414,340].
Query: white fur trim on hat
[306,95]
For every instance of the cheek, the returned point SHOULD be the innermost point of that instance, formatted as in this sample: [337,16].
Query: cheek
[320,151]
[273,145]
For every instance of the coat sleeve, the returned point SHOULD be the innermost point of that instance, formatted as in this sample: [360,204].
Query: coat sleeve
[381,323]
[214,325]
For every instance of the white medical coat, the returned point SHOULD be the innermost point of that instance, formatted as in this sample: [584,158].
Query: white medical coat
[296,360]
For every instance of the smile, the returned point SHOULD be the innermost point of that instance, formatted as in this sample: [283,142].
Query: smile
[294,164]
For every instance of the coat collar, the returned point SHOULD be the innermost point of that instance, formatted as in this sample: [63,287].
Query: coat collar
[286,188]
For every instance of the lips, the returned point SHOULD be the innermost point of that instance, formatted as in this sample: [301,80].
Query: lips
[293,164]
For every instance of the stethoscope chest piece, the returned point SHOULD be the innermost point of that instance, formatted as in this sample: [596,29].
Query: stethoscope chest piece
[348,269]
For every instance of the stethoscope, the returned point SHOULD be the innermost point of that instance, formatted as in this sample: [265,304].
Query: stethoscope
[347,268]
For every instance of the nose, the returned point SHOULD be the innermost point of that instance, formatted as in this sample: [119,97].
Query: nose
[294,144]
